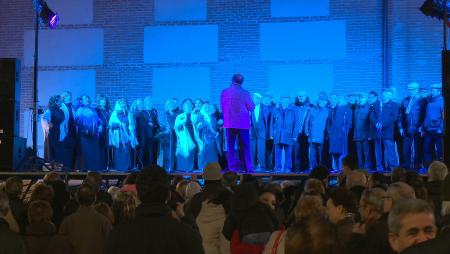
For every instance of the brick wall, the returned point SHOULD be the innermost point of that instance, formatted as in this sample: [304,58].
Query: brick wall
[414,44]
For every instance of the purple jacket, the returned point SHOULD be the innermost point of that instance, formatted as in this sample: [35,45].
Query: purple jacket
[236,105]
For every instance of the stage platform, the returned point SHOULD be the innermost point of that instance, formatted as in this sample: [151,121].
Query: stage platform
[197,174]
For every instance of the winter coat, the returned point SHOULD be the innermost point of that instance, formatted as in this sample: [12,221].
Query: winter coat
[236,105]
[154,231]
[316,124]
[285,125]
[410,120]
[86,230]
[260,127]
[42,238]
[375,241]
[10,242]
[303,111]
[361,123]
[387,115]
[434,116]
[339,124]
[210,222]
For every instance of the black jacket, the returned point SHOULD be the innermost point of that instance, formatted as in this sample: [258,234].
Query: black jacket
[153,231]
[10,242]
[257,219]
[440,245]
[375,241]
[213,192]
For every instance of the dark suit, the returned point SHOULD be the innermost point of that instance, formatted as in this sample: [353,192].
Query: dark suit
[412,115]
[258,135]
[387,115]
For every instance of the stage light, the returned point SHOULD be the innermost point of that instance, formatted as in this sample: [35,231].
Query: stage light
[46,15]
[435,8]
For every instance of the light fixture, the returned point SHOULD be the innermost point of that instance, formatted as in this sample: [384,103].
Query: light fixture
[46,16]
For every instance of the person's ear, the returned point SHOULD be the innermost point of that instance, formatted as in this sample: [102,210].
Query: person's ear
[393,241]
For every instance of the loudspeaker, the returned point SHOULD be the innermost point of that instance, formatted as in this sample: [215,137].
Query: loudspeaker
[446,95]
[9,97]
[10,78]
[12,152]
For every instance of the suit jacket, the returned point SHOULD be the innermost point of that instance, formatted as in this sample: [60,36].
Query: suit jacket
[387,115]
[236,104]
[411,120]
[260,128]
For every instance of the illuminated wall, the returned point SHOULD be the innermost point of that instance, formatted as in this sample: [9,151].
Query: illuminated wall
[191,48]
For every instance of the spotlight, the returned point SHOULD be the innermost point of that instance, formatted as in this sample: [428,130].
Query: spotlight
[435,8]
[47,16]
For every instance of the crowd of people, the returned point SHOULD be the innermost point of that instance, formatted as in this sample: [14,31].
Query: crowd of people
[290,135]
[149,212]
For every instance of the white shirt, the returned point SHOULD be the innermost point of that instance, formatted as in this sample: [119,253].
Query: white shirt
[257,107]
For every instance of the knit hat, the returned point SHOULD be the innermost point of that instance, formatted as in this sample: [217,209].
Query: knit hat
[446,189]
[212,172]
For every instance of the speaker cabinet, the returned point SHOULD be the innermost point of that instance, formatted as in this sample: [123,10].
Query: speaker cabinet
[9,97]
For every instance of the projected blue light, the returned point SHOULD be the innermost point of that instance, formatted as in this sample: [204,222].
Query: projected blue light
[300,41]
[185,44]
[299,8]
[180,10]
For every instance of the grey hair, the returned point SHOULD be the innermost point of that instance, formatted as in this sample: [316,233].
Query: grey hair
[400,190]
[437,171]
[406,207]
[4,203]
[375,198]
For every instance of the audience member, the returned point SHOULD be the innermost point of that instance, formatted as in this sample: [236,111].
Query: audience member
[41,234]
[210,208]
[154,230]
[398,174]
[341,209]
[437,171]
[444,224]
[410,222]
[10,242]
[13,188]
[377,180]
[105,210]
[308,206]
[124,207]
[95,180]
[395,193]
[312,236]
[250,223]
[371,234]
[86,228]
[229,180]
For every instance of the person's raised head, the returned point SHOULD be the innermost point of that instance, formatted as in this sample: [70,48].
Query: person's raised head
[410,222]
[153,185]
